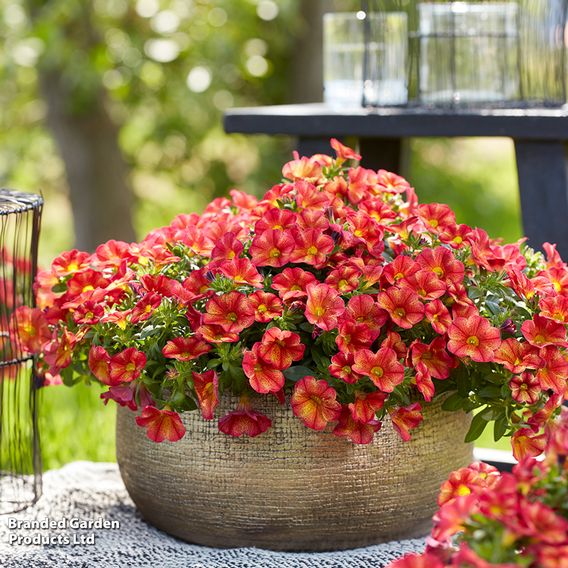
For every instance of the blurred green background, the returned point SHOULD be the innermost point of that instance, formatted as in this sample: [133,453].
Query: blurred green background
[113,108]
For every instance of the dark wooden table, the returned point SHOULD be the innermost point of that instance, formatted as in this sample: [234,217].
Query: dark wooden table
[540,137]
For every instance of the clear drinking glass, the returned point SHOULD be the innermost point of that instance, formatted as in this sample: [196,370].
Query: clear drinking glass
[344,57]
[468,52]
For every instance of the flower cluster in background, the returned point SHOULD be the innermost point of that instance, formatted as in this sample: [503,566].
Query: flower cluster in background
[490,519]
[337,292]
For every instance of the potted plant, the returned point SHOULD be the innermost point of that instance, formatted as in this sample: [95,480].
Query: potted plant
[338,334]
[487,518]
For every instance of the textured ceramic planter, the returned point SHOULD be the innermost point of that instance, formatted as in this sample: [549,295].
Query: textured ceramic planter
[290,488]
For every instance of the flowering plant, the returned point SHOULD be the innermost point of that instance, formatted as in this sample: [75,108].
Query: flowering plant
[487,519]
[337,289]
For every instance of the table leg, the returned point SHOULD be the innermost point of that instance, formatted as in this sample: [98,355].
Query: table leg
[384,154]
[543,182]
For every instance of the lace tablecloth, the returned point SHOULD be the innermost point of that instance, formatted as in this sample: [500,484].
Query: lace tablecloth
[86,519]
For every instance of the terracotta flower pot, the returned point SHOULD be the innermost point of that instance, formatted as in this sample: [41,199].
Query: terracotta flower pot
[290,488]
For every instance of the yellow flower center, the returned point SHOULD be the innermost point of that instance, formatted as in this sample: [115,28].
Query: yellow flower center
[458,240]
[312,250]
[262,308]
[463,490]
[232,316]
[377,371]
[130,367]
[274,253]
[319,311]
[472,340]
[400,312]
[88,288]
[438,270]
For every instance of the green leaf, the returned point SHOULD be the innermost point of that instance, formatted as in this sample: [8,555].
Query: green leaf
[61,287]
[478,424]
[298,372]
[454,402]
[500,427]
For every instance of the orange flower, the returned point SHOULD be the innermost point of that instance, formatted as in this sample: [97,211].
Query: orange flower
[344,279]
[356,431]
[272,248]
[266,306]
[465,481]
[280,348]
[324,306]
[425,286]
[231,311]
[228,247]
[145,307]
[161,424]
[217,334]
[207,390]
[314,402]
[185,348]
[403,306]
[541,332]
[450,519]
[70,262]
[391,182]
[126,366]
[263,378]
[354,336]
[312,247]
[400,268]
[406,418]
[436,216]
[425,560]
[244,422]
[474,337]
[292,283]
[382,367]
[276,220]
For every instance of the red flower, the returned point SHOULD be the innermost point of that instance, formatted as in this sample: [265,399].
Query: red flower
[263,378]
[400,268]
[462,482]
[553,372]
[425,286]
[207,390]
[344,279]
[357,432]
[161,424]
[185,348]
[29,329]
[438,316]
[426,560]
[341,367]
[217,334]
[70,262]
[244,422]
[241,271]
[354,336]
[555,308]
[314,402]
[145,307]
[516,356]
[450,519]
[527,444]
[292,283]
[525,388]
[323,306]
[473,337]
[543,521]
[434,357]
[272,248]
[343,152]
[99,364]
[443,264]
[88,313]
[312,247]
[436,216]
[382,367]
[277,220]
[231,311]
[541,332]
[266,306]
[227,248]
[406,418]
[403,306]
[366,405]
[280,348]
[363,309]
[126,366]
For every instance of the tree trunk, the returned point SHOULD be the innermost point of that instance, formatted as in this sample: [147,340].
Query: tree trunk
[87,138]
[308,62]
[97,175]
